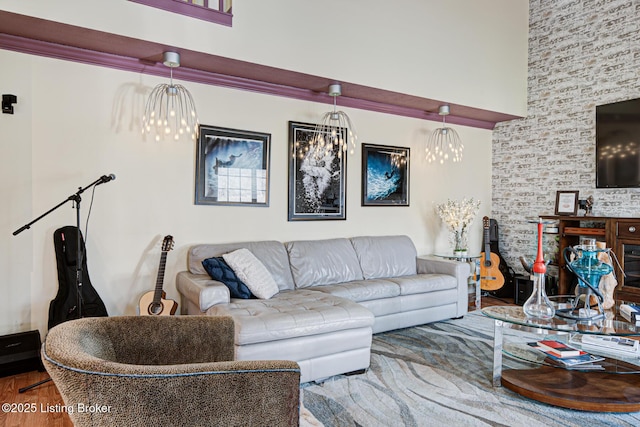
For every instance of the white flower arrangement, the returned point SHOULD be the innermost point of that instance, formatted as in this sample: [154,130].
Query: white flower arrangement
[457,216]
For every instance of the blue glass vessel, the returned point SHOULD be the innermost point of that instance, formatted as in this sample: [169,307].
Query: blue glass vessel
[589,270]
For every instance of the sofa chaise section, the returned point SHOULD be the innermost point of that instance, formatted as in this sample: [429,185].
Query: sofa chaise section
[325,334]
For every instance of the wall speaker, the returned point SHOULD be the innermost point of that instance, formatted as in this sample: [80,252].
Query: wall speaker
[7,103]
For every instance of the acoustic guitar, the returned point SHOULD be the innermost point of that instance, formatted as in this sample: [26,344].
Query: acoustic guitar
[153,303]
[491,278]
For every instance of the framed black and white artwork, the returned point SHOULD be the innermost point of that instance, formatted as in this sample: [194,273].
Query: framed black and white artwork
[385,175]
[232,167]
[317,176]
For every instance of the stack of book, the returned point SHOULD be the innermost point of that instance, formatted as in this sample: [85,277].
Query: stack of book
[560,354]
[611,344]
[631,312]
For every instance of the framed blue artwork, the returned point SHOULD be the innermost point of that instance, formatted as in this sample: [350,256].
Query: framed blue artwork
[385,175]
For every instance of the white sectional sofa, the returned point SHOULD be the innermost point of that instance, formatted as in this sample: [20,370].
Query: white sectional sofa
[333,295]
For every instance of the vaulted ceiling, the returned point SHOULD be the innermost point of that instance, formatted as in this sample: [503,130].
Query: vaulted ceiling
[68,42]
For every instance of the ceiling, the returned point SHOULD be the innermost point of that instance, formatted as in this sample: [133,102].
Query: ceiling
[68,42]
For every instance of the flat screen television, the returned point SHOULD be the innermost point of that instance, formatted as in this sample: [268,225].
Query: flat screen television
[618,144]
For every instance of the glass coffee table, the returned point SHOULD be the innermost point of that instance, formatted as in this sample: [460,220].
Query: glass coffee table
[615,387]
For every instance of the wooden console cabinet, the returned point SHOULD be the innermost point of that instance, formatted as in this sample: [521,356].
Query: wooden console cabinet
[620,234]
[628,251]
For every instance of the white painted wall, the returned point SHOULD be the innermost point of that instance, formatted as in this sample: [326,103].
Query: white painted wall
[75,122]
[467,52]
[16,255]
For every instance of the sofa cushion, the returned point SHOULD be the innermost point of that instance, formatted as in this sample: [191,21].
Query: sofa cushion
[424,283]
[323,262]
[385,256]
[252,272]
[290,314]
[219,270]
[363,290]
[271,253]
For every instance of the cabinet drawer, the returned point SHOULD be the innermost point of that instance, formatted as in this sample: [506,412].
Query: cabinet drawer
[629,228]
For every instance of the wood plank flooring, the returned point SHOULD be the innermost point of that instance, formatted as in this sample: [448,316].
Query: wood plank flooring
[33,408]
[42,400]
[489,301]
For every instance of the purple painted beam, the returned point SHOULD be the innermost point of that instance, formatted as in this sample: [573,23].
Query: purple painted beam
[68,42]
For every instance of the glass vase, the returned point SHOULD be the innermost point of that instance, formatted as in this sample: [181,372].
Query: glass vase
[460,243]
[538,304]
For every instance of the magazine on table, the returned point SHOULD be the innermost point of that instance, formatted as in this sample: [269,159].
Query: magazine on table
[581,358]
[631,312]
[581,362]
[622,346]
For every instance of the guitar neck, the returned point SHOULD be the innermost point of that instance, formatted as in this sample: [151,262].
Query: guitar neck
[487,246]
[157,294]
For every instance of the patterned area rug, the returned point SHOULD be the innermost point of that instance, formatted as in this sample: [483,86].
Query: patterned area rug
[436,375]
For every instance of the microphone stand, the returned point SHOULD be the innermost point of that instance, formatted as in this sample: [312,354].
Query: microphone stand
[76,199]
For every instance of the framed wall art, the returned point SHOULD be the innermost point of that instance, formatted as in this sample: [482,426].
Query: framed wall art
[317,177]
[385,175]
[566,202]
[232,167]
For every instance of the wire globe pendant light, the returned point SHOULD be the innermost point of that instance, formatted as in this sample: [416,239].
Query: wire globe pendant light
[444,143]
[335,130]
[170,111]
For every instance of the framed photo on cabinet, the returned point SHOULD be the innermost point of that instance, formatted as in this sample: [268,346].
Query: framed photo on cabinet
[566,202]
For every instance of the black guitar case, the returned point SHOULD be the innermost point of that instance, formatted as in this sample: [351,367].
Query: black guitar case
[65,305]
[508,289]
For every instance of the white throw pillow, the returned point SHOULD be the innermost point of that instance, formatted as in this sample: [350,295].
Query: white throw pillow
[252,272]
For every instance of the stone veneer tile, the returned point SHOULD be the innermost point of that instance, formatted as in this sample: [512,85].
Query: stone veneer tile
[582,53]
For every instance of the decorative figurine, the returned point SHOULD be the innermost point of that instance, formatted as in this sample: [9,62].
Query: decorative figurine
[589,206]
[608,282]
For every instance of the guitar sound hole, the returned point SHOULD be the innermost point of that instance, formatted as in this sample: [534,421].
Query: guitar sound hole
[487,263]
[155,308]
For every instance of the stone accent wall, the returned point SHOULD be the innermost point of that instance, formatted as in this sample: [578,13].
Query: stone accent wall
[582,53]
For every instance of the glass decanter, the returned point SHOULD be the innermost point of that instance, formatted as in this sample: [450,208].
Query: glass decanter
[538,304]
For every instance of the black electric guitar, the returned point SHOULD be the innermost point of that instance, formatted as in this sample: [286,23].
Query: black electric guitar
[153,303]
[491,278]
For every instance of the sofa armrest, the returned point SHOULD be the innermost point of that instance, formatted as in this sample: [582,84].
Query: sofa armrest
[460,270]
[443,266]
[201,290]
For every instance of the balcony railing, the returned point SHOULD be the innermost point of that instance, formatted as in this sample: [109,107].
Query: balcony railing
[219,5]
[218,11]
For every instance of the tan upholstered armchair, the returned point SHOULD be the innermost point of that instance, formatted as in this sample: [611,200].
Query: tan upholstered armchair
[166,370]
